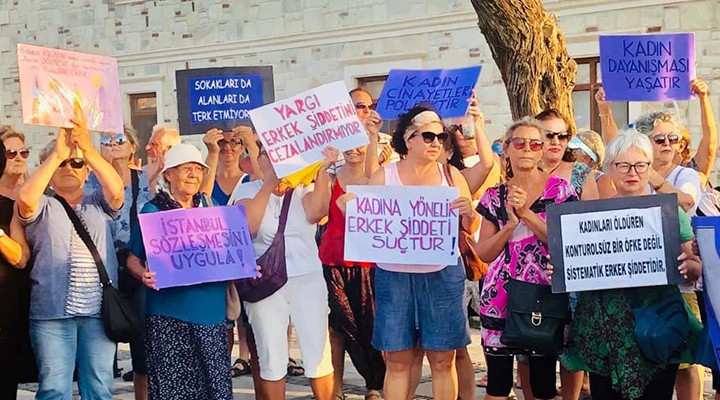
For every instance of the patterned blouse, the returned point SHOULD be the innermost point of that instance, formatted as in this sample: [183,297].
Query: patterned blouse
[524,258]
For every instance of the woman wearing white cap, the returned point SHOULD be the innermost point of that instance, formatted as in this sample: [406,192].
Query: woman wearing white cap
[185,330]
[420,307]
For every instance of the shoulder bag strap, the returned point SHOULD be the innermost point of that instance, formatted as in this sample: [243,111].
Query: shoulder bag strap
[448,175]
[284,212]
[135,187]
[501,194]
[85,236]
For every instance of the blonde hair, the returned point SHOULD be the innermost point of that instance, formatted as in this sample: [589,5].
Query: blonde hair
[594,141]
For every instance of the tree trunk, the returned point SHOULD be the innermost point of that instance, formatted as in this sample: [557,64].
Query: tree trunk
[529,49]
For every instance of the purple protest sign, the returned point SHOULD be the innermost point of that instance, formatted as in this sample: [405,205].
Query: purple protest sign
[196,245]
[647,67]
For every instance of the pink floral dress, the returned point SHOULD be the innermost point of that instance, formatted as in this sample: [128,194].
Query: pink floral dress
[524,258]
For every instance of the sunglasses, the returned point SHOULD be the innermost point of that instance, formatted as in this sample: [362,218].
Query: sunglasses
[232,143]
[11,154]
[670,138]
[107,140]
[75,163]
[560,135]
[363,106]
[429,137]
[520,143]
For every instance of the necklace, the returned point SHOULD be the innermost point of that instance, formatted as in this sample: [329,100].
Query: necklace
[552,171]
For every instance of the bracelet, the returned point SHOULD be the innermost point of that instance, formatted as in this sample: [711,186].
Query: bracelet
[658,187]
[605,115]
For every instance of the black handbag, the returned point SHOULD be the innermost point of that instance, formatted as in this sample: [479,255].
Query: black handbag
[120,321]
[536,317]
[127,283]
[274,271]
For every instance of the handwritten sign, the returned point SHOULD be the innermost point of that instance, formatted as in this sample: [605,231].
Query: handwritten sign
[402,225]
[647,67]
[616,243]
[52,81]
[221,97]
[447,90]
[197,245]
[707,231]
[295,131]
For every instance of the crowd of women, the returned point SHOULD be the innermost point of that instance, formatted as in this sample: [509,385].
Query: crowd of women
[386,317]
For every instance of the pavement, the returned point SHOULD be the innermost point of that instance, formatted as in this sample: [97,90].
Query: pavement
[299,387]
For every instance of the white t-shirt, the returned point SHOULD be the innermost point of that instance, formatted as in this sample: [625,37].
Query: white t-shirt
[301,251]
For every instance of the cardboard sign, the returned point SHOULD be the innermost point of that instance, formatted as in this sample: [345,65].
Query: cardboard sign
[52,81]
[647,67]
[447,90]
[221,97]
[402,225]
[615,243]
[707,232]
[196,245]
[295,131]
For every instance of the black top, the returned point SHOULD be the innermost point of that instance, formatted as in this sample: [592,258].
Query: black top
[14,283]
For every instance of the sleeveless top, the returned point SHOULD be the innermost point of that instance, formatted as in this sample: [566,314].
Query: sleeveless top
[332,244]
[392,178]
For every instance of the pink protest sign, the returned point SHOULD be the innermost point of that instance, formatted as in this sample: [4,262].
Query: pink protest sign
[197,245]
[52,80]
[294,131]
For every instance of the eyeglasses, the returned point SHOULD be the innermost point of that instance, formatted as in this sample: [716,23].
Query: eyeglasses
[429,137]
[75,163]
[519,143]
[187,169]
[640,167]
[232,143]
[560,135]
[671,138]
[107,140]
[11,154]
[365,107]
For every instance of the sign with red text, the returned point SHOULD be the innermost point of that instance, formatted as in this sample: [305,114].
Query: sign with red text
[402,225]
[189,246]
[53,82]
[295,131]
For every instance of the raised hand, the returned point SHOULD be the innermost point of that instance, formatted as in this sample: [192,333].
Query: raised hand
[211,139]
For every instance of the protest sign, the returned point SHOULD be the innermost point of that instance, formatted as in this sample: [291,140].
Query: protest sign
[447,90]
[615,243]
[295,131]
[655,67]
[221,97]
[52,81]
[402,225]
[189,246]
[707,232]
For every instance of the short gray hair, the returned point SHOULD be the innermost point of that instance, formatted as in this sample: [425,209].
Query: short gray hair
[647,122]
[529,122]
[625,141]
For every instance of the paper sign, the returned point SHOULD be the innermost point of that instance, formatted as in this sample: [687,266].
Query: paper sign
[447,90]
[707,232]
[402,225]
[221,97]
[616,243]
[647,67]
[295,131]
[52,80]
[197,245]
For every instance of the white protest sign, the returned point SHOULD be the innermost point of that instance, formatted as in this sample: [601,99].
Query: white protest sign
[295,131]
[402,225]
[609,244]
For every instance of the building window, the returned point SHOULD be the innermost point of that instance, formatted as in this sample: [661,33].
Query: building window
[143,116]
[587,82]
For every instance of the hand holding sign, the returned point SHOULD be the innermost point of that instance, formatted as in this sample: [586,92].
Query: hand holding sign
[463,206]
[80,135]
[373,123]
[211,139]
[699,87]
[62,144]
[331,155]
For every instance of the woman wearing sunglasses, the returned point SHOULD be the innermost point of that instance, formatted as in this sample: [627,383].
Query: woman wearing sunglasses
[65,326]
[436,325]
[513,239]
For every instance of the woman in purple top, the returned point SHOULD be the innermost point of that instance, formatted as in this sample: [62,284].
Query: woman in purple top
[513,239]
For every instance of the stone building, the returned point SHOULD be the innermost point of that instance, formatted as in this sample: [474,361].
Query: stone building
[310,42]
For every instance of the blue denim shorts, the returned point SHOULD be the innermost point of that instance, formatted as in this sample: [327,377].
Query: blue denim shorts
[420,309]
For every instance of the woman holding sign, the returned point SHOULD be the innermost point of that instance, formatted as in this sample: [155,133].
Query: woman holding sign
[420,307]
[513,239]
[603,332]
[185,337]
